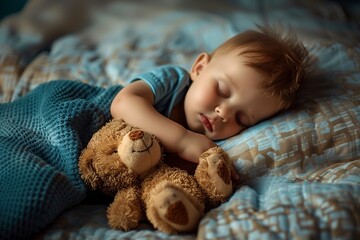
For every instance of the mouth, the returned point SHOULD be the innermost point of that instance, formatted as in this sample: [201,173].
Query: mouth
[205,121]
[143,147]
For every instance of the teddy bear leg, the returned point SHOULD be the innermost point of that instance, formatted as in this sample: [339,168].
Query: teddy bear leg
[125,211]
[171,210]
[214,177]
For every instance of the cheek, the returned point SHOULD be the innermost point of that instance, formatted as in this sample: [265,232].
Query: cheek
[205,100]
[204,97]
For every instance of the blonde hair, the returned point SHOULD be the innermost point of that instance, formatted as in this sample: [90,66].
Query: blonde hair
[282,58]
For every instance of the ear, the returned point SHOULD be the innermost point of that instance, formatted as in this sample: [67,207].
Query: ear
[87,172]
[199,64]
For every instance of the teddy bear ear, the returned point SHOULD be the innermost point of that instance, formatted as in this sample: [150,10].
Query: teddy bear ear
[87,171]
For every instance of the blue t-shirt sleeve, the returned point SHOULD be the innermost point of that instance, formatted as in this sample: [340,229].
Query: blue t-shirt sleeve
[168,84]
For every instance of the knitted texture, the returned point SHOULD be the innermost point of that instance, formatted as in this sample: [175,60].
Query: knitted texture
[41,137]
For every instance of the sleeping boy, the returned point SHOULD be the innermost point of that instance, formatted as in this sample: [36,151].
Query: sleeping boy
[247,79]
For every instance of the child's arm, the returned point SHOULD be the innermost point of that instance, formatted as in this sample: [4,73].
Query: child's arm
[134,104]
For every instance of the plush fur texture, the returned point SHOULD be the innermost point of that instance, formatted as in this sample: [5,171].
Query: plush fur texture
[126,162]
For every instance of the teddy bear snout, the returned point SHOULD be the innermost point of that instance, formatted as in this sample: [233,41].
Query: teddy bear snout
[139,151]
[136,134]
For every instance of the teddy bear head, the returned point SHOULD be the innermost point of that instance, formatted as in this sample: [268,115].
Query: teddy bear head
[117,156]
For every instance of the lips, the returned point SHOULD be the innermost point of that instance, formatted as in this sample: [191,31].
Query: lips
[205,121]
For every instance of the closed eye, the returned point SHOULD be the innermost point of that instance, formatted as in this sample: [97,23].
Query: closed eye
[221,94]
[240,122]
[222,91]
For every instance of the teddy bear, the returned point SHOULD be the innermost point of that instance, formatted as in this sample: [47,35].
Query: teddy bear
[127,162]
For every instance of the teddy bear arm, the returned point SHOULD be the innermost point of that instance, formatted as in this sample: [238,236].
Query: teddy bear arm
[125,212]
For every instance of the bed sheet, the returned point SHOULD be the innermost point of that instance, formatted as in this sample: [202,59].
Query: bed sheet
[300,170]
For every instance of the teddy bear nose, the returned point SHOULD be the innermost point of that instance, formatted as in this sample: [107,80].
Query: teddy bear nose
[136,134]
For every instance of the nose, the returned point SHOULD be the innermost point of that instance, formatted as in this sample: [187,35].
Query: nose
[135,135]
[223,113]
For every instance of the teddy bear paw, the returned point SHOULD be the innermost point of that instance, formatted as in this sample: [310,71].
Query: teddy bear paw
[125,212]
[219,175]
[172,211]
[213,175]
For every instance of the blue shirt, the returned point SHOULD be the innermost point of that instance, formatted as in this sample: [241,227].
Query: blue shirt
[169,85]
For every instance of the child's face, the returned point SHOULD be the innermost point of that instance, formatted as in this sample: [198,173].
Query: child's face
[225,97]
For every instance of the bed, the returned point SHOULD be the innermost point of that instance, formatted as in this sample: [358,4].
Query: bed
[300,171]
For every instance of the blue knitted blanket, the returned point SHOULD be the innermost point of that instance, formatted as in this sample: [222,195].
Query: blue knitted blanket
[41,137]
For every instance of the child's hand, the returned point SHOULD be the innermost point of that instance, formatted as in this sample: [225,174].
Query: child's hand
[192,145]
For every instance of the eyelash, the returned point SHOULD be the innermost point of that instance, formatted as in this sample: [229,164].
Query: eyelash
[238,121]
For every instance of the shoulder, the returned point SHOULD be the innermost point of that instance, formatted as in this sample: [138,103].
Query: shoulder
[162,72]
[166,76]
[167,71]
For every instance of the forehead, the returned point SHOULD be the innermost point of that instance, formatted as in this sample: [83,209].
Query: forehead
[234,66]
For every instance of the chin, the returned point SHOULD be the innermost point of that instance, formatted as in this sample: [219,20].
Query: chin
[212,137]
[198,129]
